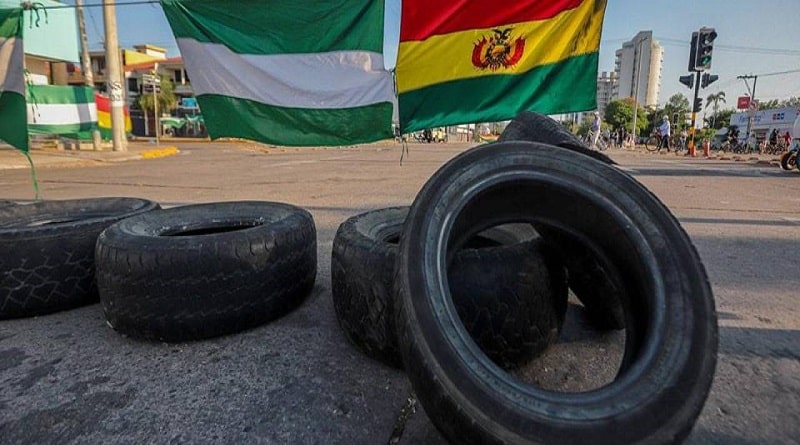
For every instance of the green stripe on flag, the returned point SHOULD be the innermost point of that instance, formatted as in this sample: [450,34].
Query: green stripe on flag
[13,111]
[567,86]
[13,120]
[280,26]
[56,94]
[294,126]
[64,129]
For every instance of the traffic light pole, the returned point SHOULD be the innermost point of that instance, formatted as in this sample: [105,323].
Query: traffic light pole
[694,111]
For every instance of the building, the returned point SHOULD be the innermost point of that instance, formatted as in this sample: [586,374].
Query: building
[47,59]
[142,60]
[606,85]
[638,69]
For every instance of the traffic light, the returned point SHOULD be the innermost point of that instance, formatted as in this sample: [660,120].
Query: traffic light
[708,79]
[705,47]
[687,80]
[698,105]
[693,51]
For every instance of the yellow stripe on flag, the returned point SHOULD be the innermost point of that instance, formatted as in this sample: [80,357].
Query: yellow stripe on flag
[451,57]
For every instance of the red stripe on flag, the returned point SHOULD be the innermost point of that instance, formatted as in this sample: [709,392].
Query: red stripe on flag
[425,18]
[104,105]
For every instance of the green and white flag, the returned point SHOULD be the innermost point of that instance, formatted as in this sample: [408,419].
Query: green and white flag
[287,72]
[13,113]
[64,110]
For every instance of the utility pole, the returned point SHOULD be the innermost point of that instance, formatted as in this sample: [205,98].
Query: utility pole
[114,80]
[752,99]
[86,66]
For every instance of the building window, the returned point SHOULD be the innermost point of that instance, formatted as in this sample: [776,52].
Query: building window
[133,85]
[178,77]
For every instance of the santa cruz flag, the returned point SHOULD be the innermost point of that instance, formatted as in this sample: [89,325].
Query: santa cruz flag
[287,72]
[463,61]
[13,111]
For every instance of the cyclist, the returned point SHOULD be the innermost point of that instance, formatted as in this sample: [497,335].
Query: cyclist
[664,129]
[773,137]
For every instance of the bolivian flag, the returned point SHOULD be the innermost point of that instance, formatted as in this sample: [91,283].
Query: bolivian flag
[463,61]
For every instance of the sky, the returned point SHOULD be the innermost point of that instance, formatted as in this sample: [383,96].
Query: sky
[755,37]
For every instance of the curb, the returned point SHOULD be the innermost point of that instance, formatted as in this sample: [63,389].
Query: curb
[159,153]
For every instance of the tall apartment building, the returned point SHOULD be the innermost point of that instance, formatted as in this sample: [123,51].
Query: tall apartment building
[606,85]
[638,69]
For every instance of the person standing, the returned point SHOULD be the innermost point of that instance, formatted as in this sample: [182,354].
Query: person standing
[684,136]
[595,129]
[665,131]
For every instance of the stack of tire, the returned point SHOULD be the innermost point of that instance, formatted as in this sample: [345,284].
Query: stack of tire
[176,274]
[429,287]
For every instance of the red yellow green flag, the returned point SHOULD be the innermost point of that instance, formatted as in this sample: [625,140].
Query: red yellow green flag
[464,61]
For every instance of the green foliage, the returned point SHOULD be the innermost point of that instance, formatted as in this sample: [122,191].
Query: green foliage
[766,105]
[791,102]
[619,114]
[167,100]
[677,104]
[714,99]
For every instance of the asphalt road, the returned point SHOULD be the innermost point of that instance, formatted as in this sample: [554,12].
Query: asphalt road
[68,378]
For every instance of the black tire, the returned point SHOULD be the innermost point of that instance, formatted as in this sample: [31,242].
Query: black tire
[651,143]
[788,161]
[205,270]
[4,203]
[595,286]
[671,330]
[47,252]
[536,127]
[509,331]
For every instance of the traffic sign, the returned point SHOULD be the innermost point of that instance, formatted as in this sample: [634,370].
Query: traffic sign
[743,102]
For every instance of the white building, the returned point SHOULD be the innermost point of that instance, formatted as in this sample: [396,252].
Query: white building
[638,69]
[606,85]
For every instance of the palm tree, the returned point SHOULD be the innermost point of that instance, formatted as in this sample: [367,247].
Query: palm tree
[715,99]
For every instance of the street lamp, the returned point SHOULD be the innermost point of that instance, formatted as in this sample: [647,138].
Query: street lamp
[636,94]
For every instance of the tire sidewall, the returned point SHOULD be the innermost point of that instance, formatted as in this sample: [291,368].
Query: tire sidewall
[677,361]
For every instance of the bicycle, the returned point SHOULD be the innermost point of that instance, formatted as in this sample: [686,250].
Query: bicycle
[602,145]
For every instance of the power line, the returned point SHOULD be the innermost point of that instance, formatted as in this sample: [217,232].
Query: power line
[733,48]
[34,5]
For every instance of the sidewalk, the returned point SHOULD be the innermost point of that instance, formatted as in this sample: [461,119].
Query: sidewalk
[11,158]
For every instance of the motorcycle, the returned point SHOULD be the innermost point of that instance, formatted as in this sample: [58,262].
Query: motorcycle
[789,159]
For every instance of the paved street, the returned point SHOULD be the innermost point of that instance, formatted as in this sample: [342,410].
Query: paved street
[68,378]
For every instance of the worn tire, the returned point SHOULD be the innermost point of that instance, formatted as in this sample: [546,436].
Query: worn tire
[595,285]
[671,330]
[510,331]
[5,203]
[204,270]
[536,127]
[47,252]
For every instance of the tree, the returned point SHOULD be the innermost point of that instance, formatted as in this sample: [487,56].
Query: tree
[724,117]
[619,114]
[166,98]
[715,99]
[791,102]
[677,104]
[766,105]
